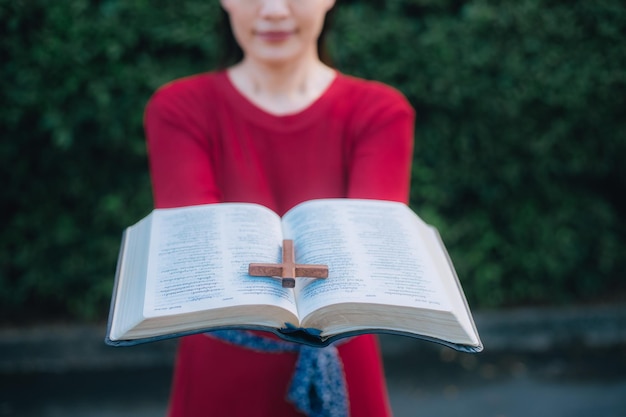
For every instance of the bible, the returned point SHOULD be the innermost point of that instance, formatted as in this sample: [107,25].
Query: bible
[186,270]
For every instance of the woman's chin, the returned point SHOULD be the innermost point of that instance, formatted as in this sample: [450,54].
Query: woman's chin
[276,54]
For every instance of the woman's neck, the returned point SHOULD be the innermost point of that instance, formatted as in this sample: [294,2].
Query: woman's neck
[282,89]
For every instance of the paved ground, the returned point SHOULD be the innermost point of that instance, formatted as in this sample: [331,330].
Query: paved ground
[556,386]
[553,363]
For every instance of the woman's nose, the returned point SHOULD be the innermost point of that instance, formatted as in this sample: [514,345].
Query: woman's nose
[274,9]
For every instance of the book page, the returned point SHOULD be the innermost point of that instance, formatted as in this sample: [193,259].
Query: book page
[199,259]
[132,262]
[373,250]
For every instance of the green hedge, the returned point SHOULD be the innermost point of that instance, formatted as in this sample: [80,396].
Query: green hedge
[519,139]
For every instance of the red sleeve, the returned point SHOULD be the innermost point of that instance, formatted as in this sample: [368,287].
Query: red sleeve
[382,149]
[179,151]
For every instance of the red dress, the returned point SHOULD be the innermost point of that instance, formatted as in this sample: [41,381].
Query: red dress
[208,143]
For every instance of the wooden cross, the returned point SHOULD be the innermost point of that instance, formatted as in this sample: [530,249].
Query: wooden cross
[288,270]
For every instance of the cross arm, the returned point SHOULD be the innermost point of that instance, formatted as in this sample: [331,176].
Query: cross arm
[288,270]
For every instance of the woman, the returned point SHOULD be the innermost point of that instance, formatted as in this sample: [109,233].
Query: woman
[277,128]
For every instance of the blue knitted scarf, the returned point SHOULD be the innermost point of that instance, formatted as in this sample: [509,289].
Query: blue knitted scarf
[318,386]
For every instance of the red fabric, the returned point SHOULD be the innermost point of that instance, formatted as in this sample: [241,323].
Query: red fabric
[207,143]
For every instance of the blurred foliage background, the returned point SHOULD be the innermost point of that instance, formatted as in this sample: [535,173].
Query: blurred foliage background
[520,137]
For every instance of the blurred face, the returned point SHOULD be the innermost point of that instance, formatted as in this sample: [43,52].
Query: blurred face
[277,31]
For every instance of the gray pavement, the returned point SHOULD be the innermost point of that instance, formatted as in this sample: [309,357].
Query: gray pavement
[537,362]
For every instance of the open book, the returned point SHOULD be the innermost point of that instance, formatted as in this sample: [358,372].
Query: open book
[185,270]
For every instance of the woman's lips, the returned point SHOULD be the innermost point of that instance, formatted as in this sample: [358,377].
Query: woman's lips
[274,35]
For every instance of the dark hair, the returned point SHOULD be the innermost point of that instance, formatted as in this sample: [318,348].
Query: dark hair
[231,53]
